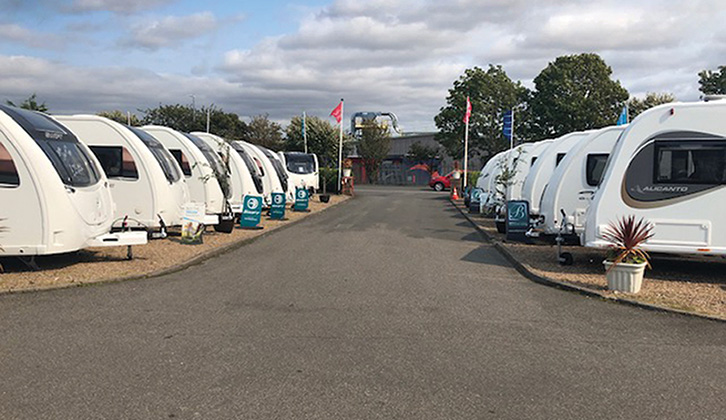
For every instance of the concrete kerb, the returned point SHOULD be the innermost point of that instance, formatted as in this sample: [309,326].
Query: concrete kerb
[526,271]
[179,267]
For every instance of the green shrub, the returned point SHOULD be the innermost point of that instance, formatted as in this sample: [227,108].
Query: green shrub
[471,178]
[329,179]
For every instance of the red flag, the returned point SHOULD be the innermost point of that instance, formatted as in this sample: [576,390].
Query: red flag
[468,111]
[336,113]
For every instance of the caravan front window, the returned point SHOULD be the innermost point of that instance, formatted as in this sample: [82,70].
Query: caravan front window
[250,167]
[281,174]
[165,159]
[8,171]
[182,160]
[595,167]
[212,158]
[299,163]
[560,156]
[690,162]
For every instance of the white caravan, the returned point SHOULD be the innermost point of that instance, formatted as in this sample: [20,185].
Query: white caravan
[270,181]
[55,196]
[302,169]
[200,165]
[280,171]
[669,167]
[243,171]
[574,181]
[146,182]
[545,164]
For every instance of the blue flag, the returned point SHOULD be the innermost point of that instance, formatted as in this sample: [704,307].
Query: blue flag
[507,126]
[623,118]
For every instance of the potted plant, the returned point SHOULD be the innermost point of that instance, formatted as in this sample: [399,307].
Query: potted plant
[326,175]
[347,167]
[625,262]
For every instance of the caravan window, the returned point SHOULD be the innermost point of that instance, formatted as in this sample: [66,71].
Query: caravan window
[165,159]
[281,174]
[116,161]
[8,171]
[560,156]
[250,167]
[534,159]
[299,163]
[690,162]
[595,167]
[183,162]
[212,158]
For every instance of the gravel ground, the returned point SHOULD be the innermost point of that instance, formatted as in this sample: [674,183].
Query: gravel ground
[102,264]
[696,284]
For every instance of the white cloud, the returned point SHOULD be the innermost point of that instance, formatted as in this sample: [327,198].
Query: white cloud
[10,32]
[171,30]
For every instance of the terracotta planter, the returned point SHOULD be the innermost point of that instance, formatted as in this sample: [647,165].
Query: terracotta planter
[624,277]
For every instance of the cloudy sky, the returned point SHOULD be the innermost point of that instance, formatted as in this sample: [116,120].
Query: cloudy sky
[280,57]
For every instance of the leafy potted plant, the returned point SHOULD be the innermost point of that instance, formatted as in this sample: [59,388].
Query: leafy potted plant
[625,262]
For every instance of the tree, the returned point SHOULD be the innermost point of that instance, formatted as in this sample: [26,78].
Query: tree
[637,106]
[31,103]
[421,153]
[491,93]
[575,93]
[713,82]
[121,117]
[373,147]
[179,117]
[266,133]
[323,138]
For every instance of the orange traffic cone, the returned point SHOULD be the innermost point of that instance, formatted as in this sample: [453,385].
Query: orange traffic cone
[454,194]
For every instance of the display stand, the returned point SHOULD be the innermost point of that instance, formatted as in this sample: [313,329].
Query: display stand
[347,186]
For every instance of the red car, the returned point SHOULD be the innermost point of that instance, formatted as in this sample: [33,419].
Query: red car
[440,183]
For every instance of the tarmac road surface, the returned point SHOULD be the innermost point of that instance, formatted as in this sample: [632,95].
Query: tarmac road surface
[385,307]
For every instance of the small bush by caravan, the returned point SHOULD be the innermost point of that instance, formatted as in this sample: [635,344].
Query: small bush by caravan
[574,181]
[669,167]
[200,165]
[243,170]
[302,169]
[55,196]
[545,164]
[146,182]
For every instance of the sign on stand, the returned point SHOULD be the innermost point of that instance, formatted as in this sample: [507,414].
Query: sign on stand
[475,200]
[301,199]
[251,212]
[192,223]
[517,220]
[277,209]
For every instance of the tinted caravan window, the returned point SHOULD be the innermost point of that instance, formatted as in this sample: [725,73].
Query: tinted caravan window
[165,159]
[182,160]
[560,156]
[299,163]
[691,162]
[8,171]
[534,159]
[595,167]
[116,161]
[212,158]
[70,160]
[250,166]
[281,174]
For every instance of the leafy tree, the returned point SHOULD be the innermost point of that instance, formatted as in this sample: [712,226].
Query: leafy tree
[373,147]
[713,82]
[121,117]
[575,93]
[491,93]
[264,132]
[31,103]
[421,153]
[637,106]
[323,138]
[179,117]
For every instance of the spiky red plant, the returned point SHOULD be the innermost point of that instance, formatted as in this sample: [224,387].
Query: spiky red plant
[626,235]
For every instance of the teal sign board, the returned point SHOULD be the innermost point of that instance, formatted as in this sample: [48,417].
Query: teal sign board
[251,212]
[277,209]
[301,199]
[517,220]
[475,200]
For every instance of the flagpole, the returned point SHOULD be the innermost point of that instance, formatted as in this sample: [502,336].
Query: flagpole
[340,150]
[305,133]
[466,151]
[511,133]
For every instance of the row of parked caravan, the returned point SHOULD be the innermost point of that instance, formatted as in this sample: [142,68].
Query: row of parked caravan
[71,182]
[667,166]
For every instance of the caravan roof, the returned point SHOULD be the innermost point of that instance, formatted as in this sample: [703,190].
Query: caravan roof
[669,167]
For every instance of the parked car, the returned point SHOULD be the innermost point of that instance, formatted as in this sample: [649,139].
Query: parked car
[440,182]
